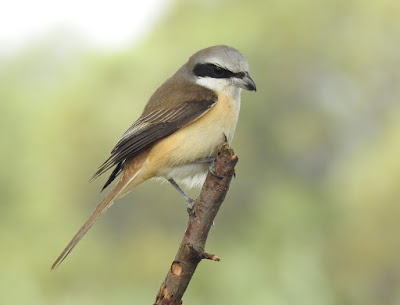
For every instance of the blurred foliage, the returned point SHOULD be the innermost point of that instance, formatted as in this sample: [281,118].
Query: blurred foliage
[313,215]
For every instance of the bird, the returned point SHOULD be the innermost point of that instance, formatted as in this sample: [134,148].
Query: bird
[179,131]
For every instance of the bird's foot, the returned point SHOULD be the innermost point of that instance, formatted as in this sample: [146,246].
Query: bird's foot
[210,161]
[189,207]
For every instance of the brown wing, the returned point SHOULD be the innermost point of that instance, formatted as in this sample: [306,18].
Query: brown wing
[149,129]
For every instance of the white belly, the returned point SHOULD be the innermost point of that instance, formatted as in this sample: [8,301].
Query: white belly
[191,175]
[198,140]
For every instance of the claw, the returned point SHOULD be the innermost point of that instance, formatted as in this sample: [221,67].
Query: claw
[189,207]
[225,139]
[212,172]
[211,161]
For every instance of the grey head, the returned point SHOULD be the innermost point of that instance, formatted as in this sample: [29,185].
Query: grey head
[218,67]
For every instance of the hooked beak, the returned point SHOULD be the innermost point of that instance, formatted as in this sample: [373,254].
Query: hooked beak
[245,82]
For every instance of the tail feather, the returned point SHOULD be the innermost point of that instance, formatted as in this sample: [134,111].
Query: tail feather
[101,208]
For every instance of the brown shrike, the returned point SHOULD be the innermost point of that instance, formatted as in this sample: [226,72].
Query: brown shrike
[177,136]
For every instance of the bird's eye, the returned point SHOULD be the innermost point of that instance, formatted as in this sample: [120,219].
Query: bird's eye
[218,71]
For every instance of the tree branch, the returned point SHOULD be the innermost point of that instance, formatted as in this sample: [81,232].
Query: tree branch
[191,249]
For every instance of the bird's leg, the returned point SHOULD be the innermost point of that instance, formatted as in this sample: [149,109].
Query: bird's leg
[189,201]
[205,160]
[210,161]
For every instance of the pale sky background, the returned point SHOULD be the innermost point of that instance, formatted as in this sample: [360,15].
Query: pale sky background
[106,24]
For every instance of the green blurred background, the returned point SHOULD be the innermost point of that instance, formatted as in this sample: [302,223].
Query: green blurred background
[313,214]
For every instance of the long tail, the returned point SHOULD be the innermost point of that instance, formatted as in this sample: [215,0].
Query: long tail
[131,174]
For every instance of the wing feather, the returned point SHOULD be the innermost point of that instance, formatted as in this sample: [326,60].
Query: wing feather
[149,129]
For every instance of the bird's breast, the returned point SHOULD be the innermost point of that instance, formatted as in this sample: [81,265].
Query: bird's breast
[173,156]
[209,130]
